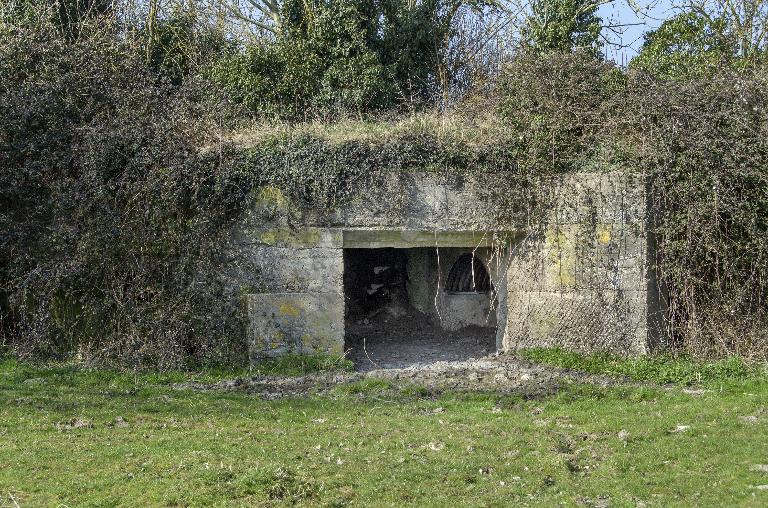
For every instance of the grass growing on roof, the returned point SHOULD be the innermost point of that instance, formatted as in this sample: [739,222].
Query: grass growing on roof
[478,129]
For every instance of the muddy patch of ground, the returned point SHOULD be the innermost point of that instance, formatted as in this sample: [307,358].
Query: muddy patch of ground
[494,373]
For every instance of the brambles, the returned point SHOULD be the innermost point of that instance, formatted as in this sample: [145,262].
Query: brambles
[703,144]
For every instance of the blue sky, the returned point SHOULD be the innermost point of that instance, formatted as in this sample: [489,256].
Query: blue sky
[619,12]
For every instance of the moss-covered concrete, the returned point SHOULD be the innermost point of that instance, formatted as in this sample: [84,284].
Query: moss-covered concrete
[295,323]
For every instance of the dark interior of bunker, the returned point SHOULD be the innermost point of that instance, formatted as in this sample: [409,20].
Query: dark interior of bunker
[414,306]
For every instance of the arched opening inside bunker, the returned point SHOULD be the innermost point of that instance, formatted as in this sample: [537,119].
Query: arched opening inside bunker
[412,306]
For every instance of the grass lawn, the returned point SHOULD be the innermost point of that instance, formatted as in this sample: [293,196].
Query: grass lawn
[97,438]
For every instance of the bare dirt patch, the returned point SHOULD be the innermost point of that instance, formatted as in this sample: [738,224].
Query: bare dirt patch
[494,373]
[412,340]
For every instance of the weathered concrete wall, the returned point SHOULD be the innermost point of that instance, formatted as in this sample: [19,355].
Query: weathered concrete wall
[582,282]
[295,323]
[292,283]
[579,279]
[416,201]
[428,271]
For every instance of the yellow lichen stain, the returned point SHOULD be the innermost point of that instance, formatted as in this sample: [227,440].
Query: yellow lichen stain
[268,237]
[562,254]
[567,278]
[558,239]
[310,238]
[603,234]
[271,196]
[288,309]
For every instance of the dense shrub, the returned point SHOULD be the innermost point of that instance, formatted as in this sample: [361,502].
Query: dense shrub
[559,105]
[704,144]
[333,59]
[180,44]
[317,65]
[563,26]
[111,213]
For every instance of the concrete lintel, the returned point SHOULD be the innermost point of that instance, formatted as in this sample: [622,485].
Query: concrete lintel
[380,238]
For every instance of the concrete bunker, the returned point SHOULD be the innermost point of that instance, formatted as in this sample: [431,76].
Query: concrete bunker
[579,279]
[412,305]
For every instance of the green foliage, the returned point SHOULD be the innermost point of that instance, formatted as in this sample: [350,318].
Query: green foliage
[235,449]
[322,61]
[658,369]
[685,45]
[299,365]
[340,37]
[346,57]
[563,25]
[411,37]
[255,79]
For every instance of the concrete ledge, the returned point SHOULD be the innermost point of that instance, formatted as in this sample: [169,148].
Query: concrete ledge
[380,238]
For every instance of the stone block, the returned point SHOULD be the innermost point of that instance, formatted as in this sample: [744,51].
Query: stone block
[579,256]
[599,196]
[302,270]
[421,201]
[305,323]
[585,321]
[290,238]
[460,310]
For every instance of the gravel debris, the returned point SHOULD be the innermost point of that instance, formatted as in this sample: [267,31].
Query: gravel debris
[497,373]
